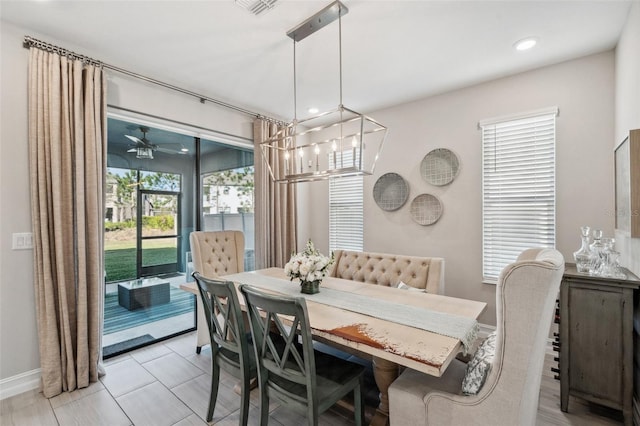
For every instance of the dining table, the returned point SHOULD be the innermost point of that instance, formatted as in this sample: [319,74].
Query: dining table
[394,328]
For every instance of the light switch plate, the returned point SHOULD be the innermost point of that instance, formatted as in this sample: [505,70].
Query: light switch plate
[22,241]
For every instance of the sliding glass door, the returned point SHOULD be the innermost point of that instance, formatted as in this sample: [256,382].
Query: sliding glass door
[161,186]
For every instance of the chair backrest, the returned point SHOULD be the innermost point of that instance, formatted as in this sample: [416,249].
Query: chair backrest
[224,319]
[525,299]
[389,269]
[217,253]
[284,372]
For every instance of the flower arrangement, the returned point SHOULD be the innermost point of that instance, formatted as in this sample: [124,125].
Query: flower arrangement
[309,266]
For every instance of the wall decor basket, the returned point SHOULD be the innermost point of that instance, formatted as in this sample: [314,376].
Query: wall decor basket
[439,167]
[426,209]
[390,191]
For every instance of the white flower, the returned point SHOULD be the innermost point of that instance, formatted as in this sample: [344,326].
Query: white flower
[304,269]
[308,265]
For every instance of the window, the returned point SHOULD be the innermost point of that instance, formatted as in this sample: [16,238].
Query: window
[346,212]
[518,187]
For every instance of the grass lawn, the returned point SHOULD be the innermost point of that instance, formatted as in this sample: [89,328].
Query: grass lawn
[120,257]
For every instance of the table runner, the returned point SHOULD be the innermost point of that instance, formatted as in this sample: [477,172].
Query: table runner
[456,326]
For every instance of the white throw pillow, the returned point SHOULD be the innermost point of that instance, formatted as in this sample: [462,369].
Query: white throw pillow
[403,286]
[479,366]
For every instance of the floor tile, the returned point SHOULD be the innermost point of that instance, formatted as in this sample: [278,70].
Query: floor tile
[29,408]
[192,420]
[153,405]
[201,360]
[116,359]
[183,345]
[67,397]
[288,417]
[149,353]
[254,419]
[195,393]
[126,376]
[96,409]
[172,369]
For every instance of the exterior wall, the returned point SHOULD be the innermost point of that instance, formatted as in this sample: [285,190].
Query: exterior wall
[582,89]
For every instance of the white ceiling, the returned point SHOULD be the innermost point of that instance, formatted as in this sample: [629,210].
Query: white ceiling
[393,51]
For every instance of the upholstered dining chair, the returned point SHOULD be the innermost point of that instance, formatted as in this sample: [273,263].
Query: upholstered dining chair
[215,253]
[525,297]
[230,346]
[295,375]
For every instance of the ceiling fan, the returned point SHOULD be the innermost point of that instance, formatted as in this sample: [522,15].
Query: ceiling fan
[144,148]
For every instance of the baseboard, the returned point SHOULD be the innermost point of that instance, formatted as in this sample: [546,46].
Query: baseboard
[19,383]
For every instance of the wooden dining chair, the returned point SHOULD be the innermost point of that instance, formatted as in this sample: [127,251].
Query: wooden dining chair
[231,347]
[293,374]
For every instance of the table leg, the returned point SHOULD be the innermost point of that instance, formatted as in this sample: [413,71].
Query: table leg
[385,372]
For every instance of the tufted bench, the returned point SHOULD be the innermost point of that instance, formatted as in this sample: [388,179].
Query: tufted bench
[390,269]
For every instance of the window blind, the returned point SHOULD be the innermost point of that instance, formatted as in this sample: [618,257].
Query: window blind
[518,187]
[346,212]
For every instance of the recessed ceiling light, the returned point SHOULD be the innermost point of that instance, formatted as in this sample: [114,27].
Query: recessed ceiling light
[525,43]
[313,110]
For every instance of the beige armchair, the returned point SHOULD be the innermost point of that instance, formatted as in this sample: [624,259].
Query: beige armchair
[214,254]
[525,298]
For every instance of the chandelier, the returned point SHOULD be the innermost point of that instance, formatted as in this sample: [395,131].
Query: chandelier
[336,143]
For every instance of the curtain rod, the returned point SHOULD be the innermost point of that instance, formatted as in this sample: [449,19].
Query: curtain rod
[33,42]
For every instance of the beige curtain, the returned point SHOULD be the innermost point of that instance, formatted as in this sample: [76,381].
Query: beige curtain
[275,207]
[67,140]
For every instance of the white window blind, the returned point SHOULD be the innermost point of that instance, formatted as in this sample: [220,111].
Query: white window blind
[346,212]
[518,187]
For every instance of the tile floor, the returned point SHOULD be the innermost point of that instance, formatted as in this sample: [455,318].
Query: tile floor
[168,384]
[163,384]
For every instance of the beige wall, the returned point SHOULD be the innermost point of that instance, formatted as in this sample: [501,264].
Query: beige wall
[582,89]
[18,339]
[18,336]
[627,108]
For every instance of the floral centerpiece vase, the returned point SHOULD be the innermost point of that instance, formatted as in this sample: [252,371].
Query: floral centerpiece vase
[310,267]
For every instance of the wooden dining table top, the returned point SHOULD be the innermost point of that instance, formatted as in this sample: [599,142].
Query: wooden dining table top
[411,347]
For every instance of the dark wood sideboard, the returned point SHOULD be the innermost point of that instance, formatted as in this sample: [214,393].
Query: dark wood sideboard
[599,351]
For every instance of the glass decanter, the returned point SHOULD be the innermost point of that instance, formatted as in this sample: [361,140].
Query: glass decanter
[596,248]
[582,257]
[607,257]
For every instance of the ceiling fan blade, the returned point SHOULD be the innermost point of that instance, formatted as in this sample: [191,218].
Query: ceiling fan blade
[132,150]
[168,151]
[135,139]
